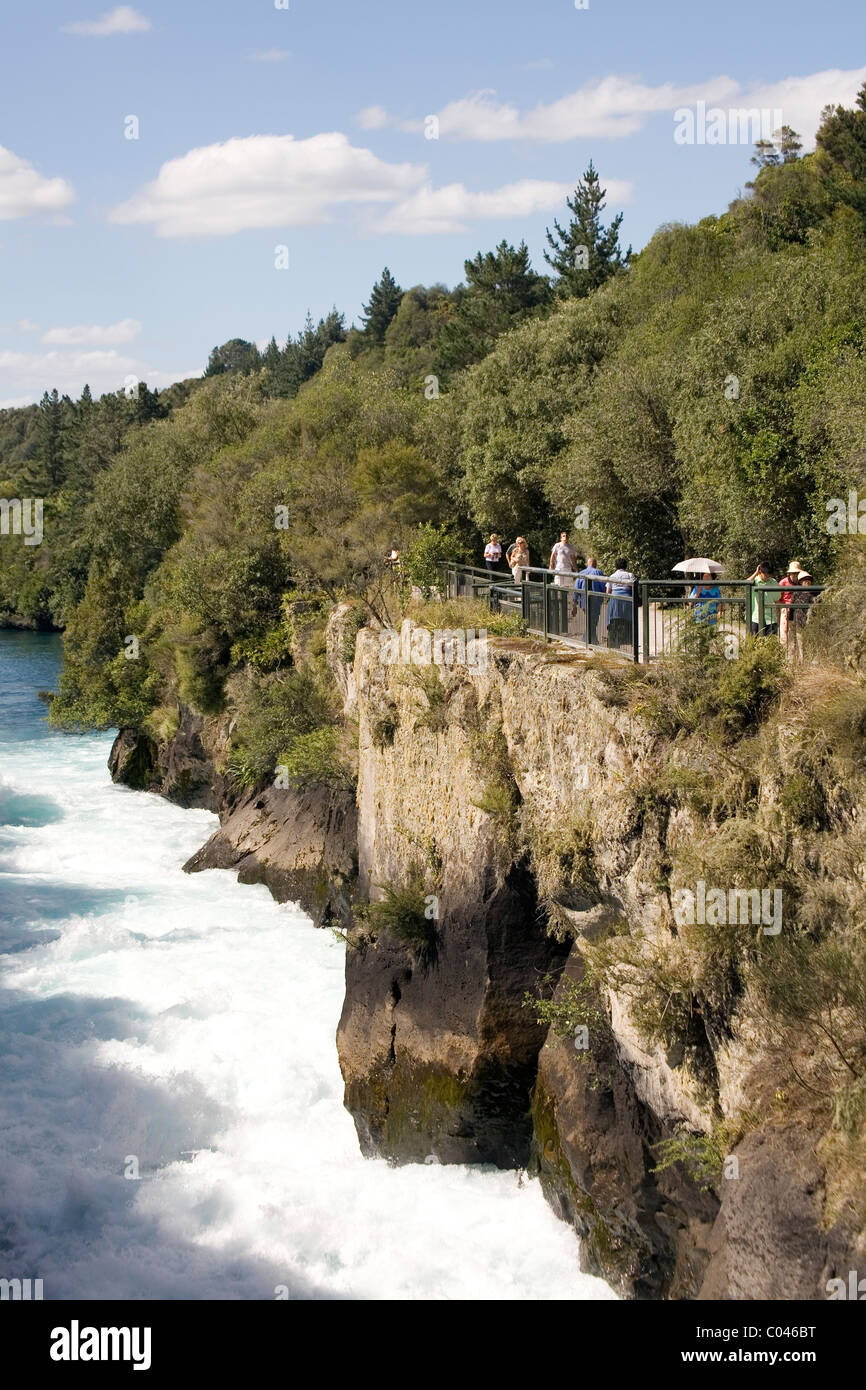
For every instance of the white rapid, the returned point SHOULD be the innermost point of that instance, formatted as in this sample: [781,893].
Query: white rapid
[182,1028]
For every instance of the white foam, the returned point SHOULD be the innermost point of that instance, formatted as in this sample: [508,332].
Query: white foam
[189,1021]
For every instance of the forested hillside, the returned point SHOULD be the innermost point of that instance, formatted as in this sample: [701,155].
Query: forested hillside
[706,395]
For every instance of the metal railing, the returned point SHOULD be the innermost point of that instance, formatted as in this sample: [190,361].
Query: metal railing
[551,606]
[740,610]
[641,621]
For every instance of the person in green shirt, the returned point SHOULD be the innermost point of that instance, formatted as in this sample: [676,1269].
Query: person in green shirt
[765,596]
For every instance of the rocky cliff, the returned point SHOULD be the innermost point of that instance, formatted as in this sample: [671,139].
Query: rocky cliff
[508,826]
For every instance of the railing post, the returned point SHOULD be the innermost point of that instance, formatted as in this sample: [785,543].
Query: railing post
[635,630]
[644,594]
[544,587]
[749,608]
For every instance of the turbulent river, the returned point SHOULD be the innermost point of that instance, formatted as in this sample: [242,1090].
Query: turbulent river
[172,1117]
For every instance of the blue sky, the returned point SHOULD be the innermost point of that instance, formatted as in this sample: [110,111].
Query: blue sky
[304,127]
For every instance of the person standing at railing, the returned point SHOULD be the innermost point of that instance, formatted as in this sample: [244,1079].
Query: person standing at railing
[764,591]
[517,559]
[492,553]
[620,585]
[784,602]
[799,605]
[704,599]
[563,558]
[586,581]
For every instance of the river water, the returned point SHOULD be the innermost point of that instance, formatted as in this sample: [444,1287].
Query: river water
[172,1117]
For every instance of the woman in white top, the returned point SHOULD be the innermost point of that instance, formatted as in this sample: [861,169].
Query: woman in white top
[492,553]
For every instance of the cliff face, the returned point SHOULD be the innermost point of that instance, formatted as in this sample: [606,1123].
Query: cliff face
[506,820]
[182,769]
[512,788]
[523,795]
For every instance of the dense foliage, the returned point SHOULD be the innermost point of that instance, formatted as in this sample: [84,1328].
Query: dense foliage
[706,395]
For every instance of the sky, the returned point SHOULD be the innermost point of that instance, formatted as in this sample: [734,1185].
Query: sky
[154,159]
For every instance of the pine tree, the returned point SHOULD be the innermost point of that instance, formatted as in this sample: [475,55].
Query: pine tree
[788,144]
[502,289]
[50,436]
[271,358]
[586,253]
[384,303]
[765,154]
[841,146]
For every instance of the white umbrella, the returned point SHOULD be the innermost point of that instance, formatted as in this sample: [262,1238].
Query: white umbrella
[700,566]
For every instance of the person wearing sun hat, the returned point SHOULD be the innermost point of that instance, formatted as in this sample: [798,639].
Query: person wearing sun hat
[798,612]
[789,582]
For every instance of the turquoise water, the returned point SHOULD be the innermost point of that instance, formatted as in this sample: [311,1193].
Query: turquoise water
[171,1117]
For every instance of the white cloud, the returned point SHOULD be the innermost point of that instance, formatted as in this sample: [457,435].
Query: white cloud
[372,118]
[610,109]
[437,211]
[264,181]
[95,334]
[800,99]
[271,55]
[28,374]
[121,20]
[24,192]
[615,107]
[27,326]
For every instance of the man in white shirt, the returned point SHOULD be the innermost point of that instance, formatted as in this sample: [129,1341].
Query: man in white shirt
[562,559]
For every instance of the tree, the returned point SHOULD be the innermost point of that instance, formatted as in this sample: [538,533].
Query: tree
[237,355]
[789,144]
[502,290]
[302,357]
[586,253]
[765,153]
[384,303]
[841,145]
[784,147]
[50,434]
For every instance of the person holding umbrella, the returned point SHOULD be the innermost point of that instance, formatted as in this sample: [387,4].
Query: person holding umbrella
[704,597]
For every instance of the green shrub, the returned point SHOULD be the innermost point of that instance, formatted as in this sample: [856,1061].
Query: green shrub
[499,796]
[702,1155]
[700,690]
[162,723]
[429,547]
[267,651]
[404,914]
[354,621]
[428,681]
[313,760]
[817,990]
[271,713]
[802,800]
[465,613]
